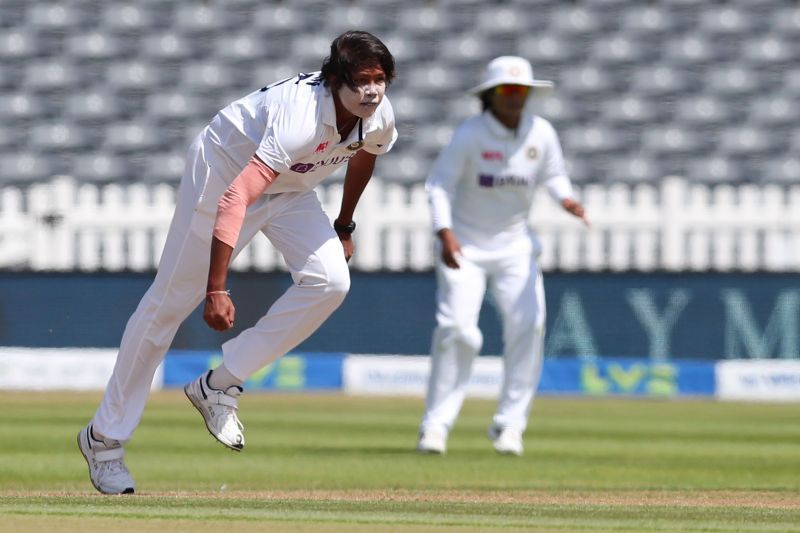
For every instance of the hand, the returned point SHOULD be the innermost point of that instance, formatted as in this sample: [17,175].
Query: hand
[575,208]
[219,311]
[451,248]
[347,244]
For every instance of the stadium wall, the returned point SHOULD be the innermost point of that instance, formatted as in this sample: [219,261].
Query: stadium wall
[392,375]
[658,316]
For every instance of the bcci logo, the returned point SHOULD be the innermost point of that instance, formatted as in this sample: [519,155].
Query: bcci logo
[301,168]
[355,146]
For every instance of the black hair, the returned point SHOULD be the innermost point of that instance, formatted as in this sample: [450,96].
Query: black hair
[486,99]
[352,51]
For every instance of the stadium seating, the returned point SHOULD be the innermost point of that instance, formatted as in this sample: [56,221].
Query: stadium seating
[115,90]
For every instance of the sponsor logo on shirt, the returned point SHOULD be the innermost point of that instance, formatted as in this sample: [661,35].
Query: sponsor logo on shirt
[533,153]
[321,147]
[488,180]
[302,168]
[492,155]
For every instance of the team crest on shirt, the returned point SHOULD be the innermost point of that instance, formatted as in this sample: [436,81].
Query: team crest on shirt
[533,153]
[355,146]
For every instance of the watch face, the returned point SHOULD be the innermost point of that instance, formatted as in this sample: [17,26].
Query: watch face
[355,145]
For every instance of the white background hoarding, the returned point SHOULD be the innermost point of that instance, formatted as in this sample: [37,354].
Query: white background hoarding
[408,375]
[762,380]
[59,368]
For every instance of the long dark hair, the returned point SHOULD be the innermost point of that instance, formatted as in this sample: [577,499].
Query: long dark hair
[352,51]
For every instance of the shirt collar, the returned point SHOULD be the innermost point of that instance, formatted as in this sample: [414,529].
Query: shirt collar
[328,107]
[499,130]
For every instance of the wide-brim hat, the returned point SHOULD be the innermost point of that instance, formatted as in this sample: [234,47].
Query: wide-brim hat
[512,70]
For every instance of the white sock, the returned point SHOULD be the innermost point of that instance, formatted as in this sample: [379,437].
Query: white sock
[222,379]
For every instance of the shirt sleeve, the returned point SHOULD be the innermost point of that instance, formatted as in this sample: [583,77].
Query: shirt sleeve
[287,138]
[555,170]
[442,182]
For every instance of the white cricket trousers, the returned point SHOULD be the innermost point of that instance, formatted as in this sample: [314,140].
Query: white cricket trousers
[516,286]
[298,228]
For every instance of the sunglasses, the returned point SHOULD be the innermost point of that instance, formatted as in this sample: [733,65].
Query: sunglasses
[508,90]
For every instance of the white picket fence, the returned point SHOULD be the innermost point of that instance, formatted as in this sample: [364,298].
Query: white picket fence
[67,225]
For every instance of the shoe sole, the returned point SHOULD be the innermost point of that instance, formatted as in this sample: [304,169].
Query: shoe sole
[429,451]
[128,490]
[210,432]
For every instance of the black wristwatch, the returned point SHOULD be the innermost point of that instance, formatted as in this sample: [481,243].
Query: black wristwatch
[344,228]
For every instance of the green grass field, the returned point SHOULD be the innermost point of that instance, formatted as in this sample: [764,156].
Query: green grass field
[336,463]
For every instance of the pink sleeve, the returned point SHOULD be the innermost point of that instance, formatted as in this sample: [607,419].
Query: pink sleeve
[248,186]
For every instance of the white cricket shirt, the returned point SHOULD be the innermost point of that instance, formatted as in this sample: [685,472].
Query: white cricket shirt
[291,126]
[482,184]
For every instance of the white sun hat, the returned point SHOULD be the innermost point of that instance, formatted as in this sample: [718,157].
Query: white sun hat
[511,70]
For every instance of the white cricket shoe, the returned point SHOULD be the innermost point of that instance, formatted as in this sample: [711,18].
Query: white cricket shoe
[107,471]
[219,411]
[432,441]
[506,441]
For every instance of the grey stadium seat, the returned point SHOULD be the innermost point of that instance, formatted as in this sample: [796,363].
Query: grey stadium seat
[49,76]
[356,16]
[402,167]
[620,50]
[201,18]
[586,79]
[204,77]
[175,105]
[492,20]
[769,50]
[774,111]
[574,21]
[134,75]
[550,48]
[593,140]
[671,139]
[92,106]
[12,138]
[703,110]
[782,170]
[431,19]
[634,168]
[714,170]
[469,48]
[660,80]
[20,106]
[557,107]
[630,110]
[785,21]
[58,136]
[164,167]
[168,46]
[128,17]
[733,80]
[647,20]
[133,137]
[17,44]
[242,48]
[94,45]
[278,17]
[692,50]
[749,141]
[718,20]
[22,167]
[53,17]
[100,168]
